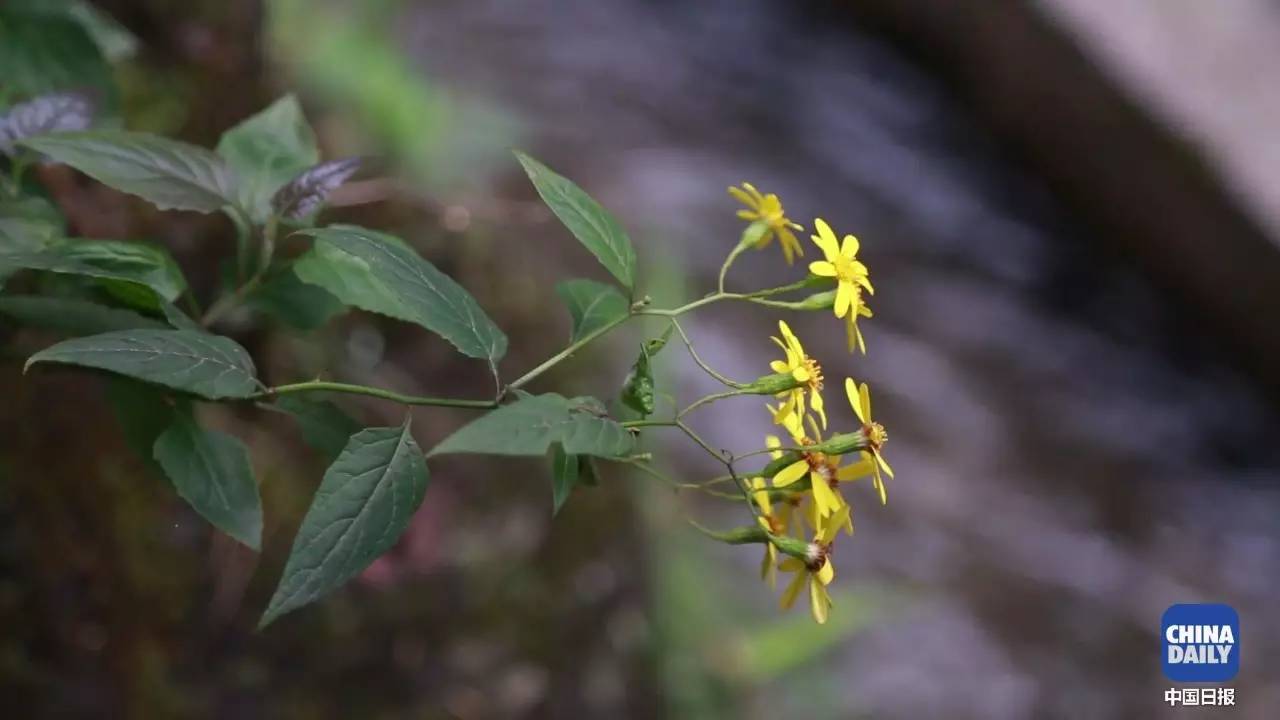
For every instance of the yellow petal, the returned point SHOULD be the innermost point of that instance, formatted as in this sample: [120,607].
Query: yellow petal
[844,298]
[754,192]
[864,401]
[825,239]
[768,570]
[793,589]
[790,473]
[748,215]
[823,496]
[778,366]
[851,390]
[822,268]
[833,524]
[860,469]
[815,402]
[826,573]
[849,248]
[772,441]
[818,602]
[791,564]
[884,465]
[879,483]
[800,374]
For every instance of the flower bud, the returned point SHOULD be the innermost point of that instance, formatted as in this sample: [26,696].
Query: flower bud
[818,301]
[770,384]
[843,444]
[794,547]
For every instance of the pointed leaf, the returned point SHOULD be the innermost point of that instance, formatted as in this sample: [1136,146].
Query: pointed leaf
[169,174]
[55,112]
[304,194]
[324,425]
[379,273]
[266,151]
[594,226]
[363,505]
[210,366]
[592,305]
[134,272]
[72,315]
[142,413]
[531,425]
[564,477]
[211,471]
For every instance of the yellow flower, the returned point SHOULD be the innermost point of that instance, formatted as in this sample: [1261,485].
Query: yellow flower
[803,369]
[767,209]
[841,263]
[816,568]
[860,400]
[852,333]
[782,516]
[823,476]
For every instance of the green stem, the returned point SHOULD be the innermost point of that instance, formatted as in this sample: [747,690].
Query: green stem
[244,230]
[694,354]
[226,303]
[708,399]
[563,354]
[724,269]
[323,386]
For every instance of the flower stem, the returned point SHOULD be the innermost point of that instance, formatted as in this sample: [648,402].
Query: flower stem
[323,386]
[708,399]
[694,354]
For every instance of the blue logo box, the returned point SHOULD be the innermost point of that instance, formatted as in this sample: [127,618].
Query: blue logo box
[1200,642]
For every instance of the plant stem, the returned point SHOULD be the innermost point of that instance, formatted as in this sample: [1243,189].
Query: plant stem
[226,303]
[323,386]
[728,261]
[694,354]
[708,399]
[563,354]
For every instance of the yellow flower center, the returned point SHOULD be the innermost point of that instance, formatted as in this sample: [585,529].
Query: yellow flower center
[876,435]
[771,212]
[847,270]
[814,370]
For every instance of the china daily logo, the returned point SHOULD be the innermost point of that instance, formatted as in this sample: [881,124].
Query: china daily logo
[1201,642]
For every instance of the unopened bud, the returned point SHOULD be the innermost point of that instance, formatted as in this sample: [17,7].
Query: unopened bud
[770,384]
[843,443]
[818,301]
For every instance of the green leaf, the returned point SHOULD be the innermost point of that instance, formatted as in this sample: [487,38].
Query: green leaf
[71,315]
[531,425]
[380,273]
[34,208]
[142,413]
[594,226]
[324,425]
[363,505]
[268,150]
[42,52]
[592,305]
[295,303]
[179,320]
[131,271]
[211,471]
[639,389]
[169,174]
[210,366]
[564,477]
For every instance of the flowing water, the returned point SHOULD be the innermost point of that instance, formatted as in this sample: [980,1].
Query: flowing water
[1071,457]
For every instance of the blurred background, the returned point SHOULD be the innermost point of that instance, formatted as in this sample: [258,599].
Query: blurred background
[1072,212]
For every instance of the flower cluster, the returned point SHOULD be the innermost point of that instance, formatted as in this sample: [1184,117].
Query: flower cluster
[798,497]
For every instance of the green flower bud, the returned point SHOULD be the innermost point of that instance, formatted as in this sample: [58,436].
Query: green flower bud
[770,384]
[842,444]
[794,547]
[818,301]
